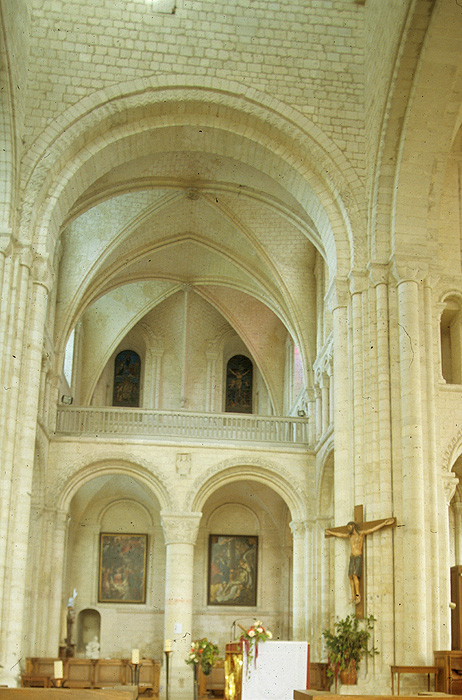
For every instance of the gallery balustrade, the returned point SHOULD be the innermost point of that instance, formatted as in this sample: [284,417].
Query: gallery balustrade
[181,424]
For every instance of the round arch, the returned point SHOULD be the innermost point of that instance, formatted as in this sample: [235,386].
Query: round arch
[420,169]
[261,471]
[326,479]
[65,488]
[93,133]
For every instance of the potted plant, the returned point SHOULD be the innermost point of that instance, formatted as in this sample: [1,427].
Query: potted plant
[347,646]
[202,653]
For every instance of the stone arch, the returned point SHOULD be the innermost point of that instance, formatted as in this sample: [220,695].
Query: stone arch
[437,33]
[315,171]
[452,452]
[223,506]
[120,500]
[450,326]
[66,487]
[326,480]
[263,471]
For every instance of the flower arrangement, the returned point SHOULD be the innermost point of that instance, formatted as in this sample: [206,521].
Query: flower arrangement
[202,653]
[249,640]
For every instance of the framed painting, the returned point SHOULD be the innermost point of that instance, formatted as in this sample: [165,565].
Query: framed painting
[122,568]
[232,570]
[239,385]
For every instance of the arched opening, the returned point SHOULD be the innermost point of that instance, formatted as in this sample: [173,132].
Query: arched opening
[119,508]
[451,341]
[88,632]
[245,546]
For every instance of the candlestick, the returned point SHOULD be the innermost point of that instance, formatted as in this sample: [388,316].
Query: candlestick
[167,653]
[135,656]
[58,670]
[168,645]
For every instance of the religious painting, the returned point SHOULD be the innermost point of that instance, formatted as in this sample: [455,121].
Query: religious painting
[232,570]
[127,371]
[122,568]
[239,385]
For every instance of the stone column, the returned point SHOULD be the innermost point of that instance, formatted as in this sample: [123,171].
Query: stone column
[325,402]
[311,414]
[180,531]
[14,599]
[318,412]
[298,529]
[56,561]
[380,569]
[211,381]
[337,299]
[326,595]
[413,606]
[457,508]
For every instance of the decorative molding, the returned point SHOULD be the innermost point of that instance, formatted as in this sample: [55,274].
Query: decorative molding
[455,445]
[183,464]
[273,475]
[298,528]
[65,482]
[337,294]
[180,528]
[408,271]
[450,482]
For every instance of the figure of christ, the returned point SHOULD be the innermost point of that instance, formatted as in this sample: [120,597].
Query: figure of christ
[356,537]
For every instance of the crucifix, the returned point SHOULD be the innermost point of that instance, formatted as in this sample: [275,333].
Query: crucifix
[355,531]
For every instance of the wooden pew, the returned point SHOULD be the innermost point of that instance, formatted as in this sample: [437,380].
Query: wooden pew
[322,695]
[92,673]
[128,693]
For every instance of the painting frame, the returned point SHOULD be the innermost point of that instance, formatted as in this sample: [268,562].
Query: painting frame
[122,567]
[232,570]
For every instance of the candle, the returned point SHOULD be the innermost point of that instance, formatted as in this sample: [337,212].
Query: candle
[168,645]
[58,669]
[135,656]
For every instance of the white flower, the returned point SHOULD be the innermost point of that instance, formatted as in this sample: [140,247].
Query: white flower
[251,633]
[260,629]
[270,636]
[191,656]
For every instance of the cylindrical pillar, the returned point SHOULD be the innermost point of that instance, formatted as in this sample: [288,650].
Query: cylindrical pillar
[299,588]
[414,609]
[457,509]
[13,616]
[337,299]
[180,531]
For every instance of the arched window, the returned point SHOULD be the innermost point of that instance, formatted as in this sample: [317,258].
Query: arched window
[451,342]
[127,371]
[239,385]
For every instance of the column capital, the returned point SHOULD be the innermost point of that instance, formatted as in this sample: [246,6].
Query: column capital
[298,528]
[41,272]
[6,243]
[378,273]
[450,482]
[180,527]
[359,281]
[408,270]
[338,293]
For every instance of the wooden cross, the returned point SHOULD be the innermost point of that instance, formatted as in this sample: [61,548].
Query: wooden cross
[356,531]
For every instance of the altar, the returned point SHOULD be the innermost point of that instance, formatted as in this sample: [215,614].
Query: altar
[280,668]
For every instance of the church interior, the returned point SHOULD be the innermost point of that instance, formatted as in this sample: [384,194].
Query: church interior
[230,320]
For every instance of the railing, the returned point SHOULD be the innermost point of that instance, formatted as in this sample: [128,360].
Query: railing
[181,424]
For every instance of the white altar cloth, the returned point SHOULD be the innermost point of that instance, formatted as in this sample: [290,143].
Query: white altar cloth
[281,669]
